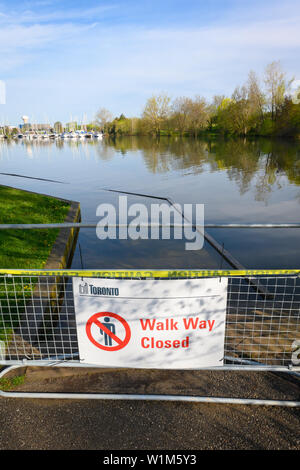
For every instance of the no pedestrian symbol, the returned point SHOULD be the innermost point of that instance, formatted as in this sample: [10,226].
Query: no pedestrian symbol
[103,330]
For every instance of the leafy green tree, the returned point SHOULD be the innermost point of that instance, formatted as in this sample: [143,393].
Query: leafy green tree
[156,112]
[58,127]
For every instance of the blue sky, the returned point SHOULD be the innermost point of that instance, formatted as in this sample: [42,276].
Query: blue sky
[63,59]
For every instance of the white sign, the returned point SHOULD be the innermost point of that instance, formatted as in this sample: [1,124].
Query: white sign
[159,324]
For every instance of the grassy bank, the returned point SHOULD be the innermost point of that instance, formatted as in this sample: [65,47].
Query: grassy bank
[28,248]
[24,248]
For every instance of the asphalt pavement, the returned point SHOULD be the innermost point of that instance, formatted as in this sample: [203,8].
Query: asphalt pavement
[48,424]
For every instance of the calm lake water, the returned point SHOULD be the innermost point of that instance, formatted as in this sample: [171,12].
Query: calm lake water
[238,181]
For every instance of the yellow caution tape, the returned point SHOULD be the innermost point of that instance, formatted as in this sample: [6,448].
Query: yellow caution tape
[152,274]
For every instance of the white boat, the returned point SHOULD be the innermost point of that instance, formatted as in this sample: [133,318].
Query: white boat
[29,135]
[72,135]
[80,135]
[97,135]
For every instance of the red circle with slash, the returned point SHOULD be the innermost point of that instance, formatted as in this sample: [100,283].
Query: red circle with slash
[94,319]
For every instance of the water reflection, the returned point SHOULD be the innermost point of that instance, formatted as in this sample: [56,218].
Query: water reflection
[241,159]
[241,180]
[244,161]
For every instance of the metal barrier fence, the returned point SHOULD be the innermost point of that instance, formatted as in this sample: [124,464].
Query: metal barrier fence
[262,332]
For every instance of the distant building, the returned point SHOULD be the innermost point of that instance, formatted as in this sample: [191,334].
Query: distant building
[71,126]
[25,127]
[58,127]
[41,127]
[25,119]
[35,127]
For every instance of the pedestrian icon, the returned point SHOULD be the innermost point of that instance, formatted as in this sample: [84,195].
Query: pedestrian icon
[112,328]
[108,331]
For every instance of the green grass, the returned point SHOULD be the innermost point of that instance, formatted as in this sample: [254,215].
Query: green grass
[28,248]
[9,383]
[24,248]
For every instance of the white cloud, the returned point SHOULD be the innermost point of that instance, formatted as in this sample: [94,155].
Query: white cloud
[86,65]
[31,16]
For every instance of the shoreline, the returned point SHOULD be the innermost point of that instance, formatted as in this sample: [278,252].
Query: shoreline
[39,305]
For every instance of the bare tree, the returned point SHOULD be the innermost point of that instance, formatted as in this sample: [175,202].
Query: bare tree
[240,111]
[103,116]
[256,96]
[156,112]
[181,113]
[276,86]
[198,114]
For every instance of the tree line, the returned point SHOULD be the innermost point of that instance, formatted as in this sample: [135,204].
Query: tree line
[264,107]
